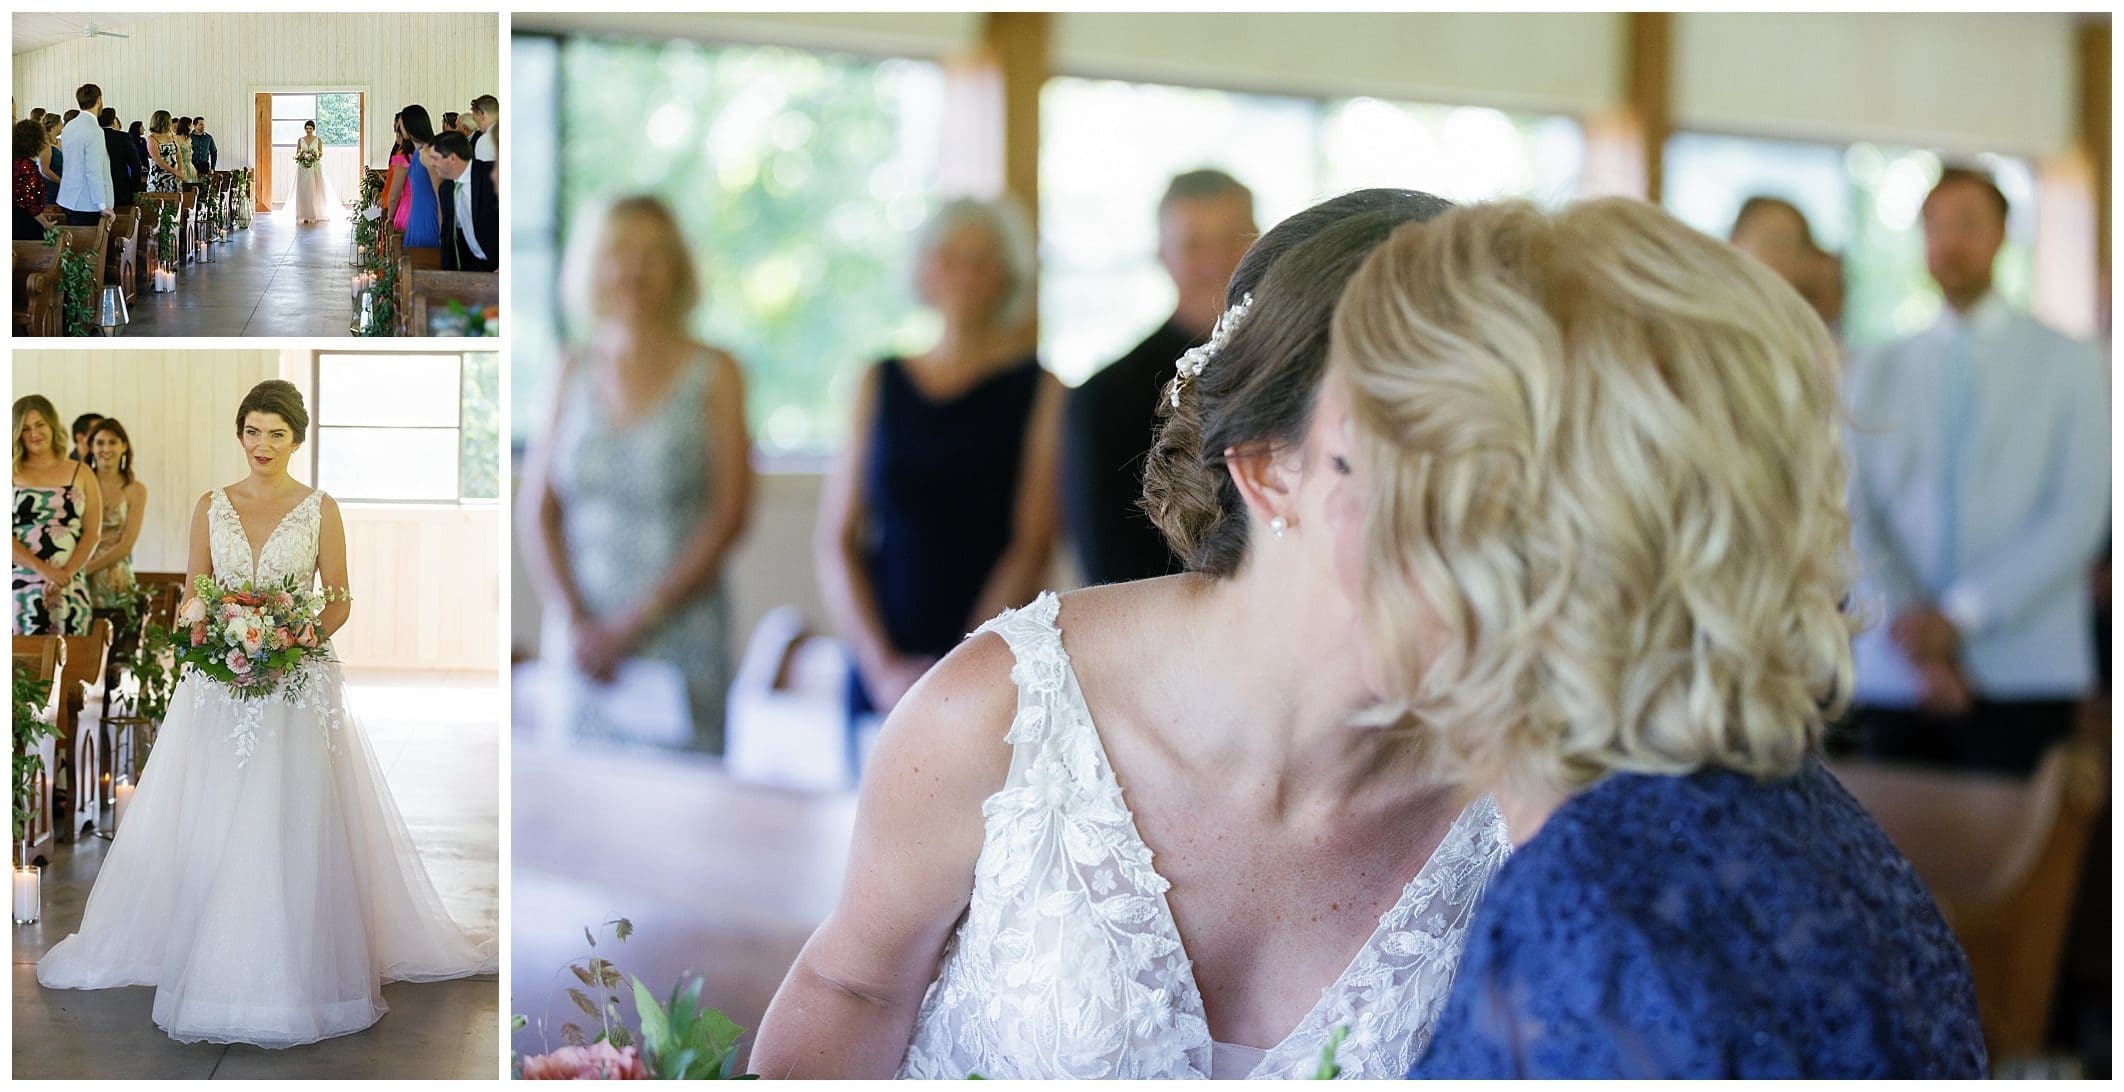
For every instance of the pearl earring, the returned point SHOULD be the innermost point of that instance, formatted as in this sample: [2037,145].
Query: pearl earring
[1277,525]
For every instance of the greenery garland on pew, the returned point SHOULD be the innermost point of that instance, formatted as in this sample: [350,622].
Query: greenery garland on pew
[77,286]
[368,232]
[166,233]
[31,694]
[383,298]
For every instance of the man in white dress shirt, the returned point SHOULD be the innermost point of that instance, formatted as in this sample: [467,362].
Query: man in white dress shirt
[85,174]
[1979,499]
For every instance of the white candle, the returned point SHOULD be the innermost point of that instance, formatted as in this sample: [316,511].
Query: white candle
[125,797]
[25,894]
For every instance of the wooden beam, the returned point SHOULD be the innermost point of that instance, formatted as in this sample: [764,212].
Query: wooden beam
[1018,41]
[2094,130]
[262,152]
[1649,92]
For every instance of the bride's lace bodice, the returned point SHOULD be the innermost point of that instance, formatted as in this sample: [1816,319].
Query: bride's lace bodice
[290,548]
[1068,962]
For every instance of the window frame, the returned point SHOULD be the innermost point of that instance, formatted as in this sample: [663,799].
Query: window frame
[317,427]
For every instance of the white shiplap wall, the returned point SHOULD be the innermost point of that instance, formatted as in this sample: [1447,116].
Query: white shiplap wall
[211,65]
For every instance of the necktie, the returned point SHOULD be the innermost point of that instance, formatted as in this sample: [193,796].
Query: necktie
[1960,417]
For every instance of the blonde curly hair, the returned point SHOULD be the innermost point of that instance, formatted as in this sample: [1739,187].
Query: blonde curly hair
[1606,526]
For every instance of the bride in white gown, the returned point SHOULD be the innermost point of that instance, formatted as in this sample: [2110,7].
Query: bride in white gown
[263,880]
[1281,864]
[314,200]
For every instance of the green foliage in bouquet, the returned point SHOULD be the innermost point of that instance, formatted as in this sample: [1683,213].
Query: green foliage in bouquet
[679,1039]
[307,158]
[31,696]
[77,285]
[267,670]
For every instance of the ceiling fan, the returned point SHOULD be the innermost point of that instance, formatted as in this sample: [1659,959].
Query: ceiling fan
[90,31]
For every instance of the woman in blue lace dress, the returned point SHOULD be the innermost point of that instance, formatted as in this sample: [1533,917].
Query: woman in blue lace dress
[1596,515]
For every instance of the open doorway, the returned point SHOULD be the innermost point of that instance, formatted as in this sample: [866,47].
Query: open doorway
[341,117]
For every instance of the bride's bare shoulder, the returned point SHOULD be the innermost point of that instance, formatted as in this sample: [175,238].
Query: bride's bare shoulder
[1107,619]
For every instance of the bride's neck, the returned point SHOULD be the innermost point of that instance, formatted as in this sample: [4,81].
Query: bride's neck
[1281,698]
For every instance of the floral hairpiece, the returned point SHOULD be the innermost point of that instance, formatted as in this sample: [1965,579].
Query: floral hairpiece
[1194,360]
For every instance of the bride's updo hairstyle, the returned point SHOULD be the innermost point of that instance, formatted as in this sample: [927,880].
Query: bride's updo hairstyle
[280,398]
[1605,525]
[1259,387]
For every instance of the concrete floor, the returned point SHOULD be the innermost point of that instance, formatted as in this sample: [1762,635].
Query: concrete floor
[273,280]
[720,878]
[439,745]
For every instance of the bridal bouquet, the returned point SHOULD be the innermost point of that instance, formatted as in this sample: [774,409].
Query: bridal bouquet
[255,639]
[306,158]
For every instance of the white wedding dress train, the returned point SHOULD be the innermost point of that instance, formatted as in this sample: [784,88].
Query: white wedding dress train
[263,880]
[315,202]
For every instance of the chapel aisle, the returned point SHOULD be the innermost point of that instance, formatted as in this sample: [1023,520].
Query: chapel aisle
[274,280]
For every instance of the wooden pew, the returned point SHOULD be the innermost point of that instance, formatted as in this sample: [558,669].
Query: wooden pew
[36,290]
[86,658]
[123,251]
[410,260]
[431,292]
[45,659]
[2002,856]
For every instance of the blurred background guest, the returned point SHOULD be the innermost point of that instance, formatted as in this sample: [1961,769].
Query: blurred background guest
[83,426]
[1980,496]
[1205,222]
[636,493]
[941,512]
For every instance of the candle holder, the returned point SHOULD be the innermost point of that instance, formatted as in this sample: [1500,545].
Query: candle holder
[112,314]
[121,798]
[29,896]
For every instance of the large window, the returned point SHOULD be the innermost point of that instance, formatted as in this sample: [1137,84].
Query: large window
[338,118]
[1861,201]
[1107,149]
[798,176]
[407,426]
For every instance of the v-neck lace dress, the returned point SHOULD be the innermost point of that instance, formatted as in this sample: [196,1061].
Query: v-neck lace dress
[263,881]
[1068,962]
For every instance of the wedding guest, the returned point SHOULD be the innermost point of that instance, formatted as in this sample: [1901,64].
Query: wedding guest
[486,120]
[1775,232]
[941,510]
[203,151]
[1595,517]
[52,126]
[187,163]
[1980,497]
[32,166]
[395,205]
[165,174]
[83,426]
[423,223]
[449,122]
[128,172]
[471,222]
[58,521]
[85,191]
[1205,223]
[641,483]
[1133,831]
[110,567]
[139,134]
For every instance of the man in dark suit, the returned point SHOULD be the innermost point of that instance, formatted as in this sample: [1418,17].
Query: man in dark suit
[471,219]
[128,173]
[1205,224]
[203,152]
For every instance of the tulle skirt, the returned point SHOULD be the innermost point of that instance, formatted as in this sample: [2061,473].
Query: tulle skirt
[263,881]
[314,199]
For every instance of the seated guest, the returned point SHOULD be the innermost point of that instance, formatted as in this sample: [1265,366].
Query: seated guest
[33,155]
[471,221]
[128,171]
[1594,511]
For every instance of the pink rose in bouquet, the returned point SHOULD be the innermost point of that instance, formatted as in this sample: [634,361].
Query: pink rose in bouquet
[238,662]
[600,1061]
[256,640]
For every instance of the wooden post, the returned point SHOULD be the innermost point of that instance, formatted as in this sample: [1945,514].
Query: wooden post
[2094,132]
[1651,92]
[1018,40]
